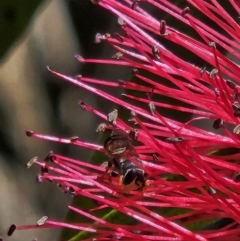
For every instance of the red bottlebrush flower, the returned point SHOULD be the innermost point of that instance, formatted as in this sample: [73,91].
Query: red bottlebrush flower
[176,175]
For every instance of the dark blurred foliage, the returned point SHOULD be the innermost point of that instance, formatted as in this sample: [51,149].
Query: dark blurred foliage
[14,18]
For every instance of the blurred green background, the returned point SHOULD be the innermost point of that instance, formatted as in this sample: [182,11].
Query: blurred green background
[36,34]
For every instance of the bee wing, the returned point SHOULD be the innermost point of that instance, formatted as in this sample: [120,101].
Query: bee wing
[105,165]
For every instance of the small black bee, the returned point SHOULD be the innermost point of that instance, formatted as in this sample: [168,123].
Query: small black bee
[119,147]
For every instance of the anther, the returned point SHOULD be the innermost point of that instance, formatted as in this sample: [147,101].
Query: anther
[211,191]
[163,29]
[237,113]
[185,11]
[133,113]
[44,169]
[29,133]
[74,139]
[237,177]
[121,21]
[134,4]
[218,123]
[112,116]
[122,82]
[50,157]
[42,220]
[213,72]
[39,178]
[236,130]
[32,161]
[133,120]
[155,157]
[71,191]
[155,52]
[11,230]
[212,44]
[79,58]
[152,107]
[217,92]
[101,37]
[117,55]
[98,38]
[174,139]
[230,84]
[101,127]
[134,72]
[133,134]
[84,106]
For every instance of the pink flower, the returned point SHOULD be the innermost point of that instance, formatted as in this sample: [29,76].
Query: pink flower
[186,172]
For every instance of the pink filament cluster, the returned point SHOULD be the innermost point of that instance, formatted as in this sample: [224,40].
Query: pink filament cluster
[210,189]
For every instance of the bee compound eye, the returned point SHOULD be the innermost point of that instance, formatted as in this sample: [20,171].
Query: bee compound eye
[129,177]
[134,179]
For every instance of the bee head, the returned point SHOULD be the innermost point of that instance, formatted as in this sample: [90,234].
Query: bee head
[134,179]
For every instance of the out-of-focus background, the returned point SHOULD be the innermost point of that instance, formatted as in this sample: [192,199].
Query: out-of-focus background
[33,35]
[36,34]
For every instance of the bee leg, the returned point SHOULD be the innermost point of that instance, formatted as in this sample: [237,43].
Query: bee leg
[108,172]
[147,184]
[110,176]
[121,181]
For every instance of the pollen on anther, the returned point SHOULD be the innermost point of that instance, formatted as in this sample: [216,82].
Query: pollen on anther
[112,116]
[98,38]
[80,58]
[117,55]
[134,72]
[212,44]
[213,72]
[174,139]
[42,220]
[121,21]
[152,108]
[32,161]
[236,130]
[101,127]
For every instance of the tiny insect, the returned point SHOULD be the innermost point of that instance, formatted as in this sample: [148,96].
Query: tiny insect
[119,148]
